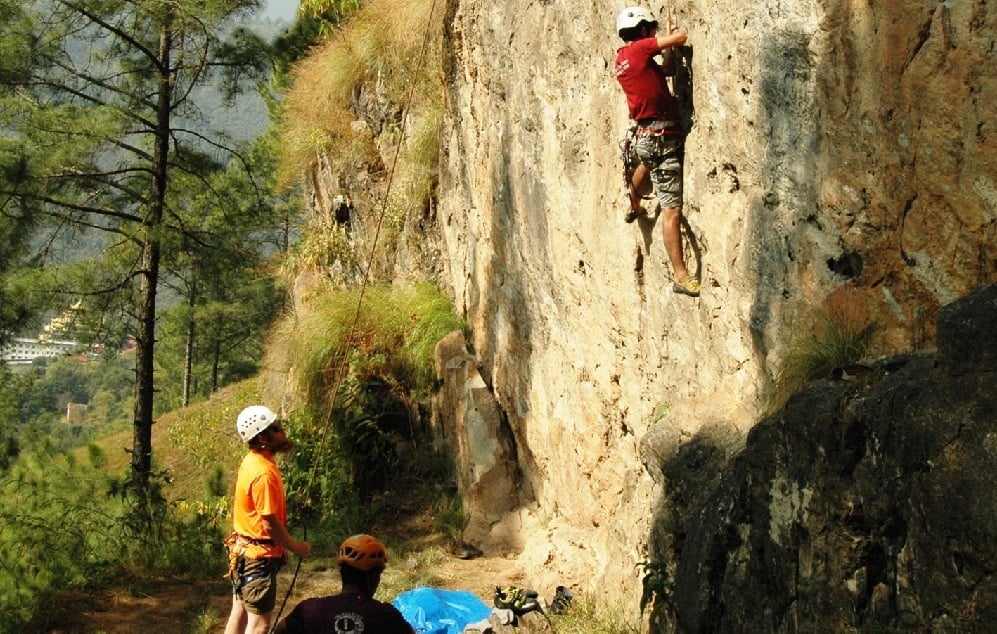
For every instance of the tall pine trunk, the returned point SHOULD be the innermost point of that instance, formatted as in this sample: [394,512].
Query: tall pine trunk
[188,348]
[149,273]
[215,362]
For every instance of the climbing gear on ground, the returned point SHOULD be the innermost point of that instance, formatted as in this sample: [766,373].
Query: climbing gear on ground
[519,600]
[561,601]
[362,552]
[466,551]
[631,17]
[253,420]
[689,286]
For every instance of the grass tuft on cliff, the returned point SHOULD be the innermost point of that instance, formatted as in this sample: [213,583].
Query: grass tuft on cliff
[386,58]
[387,331]
[834,337]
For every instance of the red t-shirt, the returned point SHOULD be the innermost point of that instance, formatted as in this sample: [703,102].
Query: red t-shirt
[346,613]
[644,81]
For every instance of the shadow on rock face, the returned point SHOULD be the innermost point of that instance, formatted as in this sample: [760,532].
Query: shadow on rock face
[864,503]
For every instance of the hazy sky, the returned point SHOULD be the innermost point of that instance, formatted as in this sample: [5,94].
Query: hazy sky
[280,9]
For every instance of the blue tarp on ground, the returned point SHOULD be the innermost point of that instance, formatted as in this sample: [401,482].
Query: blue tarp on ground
[438,611]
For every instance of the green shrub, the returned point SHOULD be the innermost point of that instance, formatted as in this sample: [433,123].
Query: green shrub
[359,363]
[321,247]
[393,48]
[66,526]
[656,586]
[385,333]
[52,532]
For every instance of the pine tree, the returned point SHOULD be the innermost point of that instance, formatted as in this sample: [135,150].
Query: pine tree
[97,120]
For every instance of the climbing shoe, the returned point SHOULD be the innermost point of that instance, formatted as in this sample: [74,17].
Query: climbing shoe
[561,601]
[519,600]
[634,214]
[689,286]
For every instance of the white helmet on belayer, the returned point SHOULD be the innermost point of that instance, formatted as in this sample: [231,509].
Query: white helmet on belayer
[253,420]
[632,17]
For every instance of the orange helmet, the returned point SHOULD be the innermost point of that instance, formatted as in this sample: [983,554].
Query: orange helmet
[363,552]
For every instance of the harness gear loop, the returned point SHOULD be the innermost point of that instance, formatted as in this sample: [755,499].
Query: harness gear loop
[628,153]
[237,546]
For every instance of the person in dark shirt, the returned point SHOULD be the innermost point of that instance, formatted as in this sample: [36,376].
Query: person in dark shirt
[361,560]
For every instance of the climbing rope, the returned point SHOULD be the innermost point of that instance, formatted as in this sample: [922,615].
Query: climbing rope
[350,341]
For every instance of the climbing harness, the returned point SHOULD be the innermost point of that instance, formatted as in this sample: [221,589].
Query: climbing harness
[657,127]
[248,563]
[238,546]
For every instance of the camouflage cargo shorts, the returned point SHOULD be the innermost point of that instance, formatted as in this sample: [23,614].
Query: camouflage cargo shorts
[257,585]
[662,154]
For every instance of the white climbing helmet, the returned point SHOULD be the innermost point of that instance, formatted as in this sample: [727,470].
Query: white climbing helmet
[631,17]
[253,420]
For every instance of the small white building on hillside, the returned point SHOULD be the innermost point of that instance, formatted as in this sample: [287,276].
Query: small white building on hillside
[22,351]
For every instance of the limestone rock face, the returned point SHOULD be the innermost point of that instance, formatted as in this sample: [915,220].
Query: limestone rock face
[475,427]
[864,505]
[839,153]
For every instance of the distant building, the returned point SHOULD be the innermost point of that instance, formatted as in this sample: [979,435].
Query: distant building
[62,326]
[56,339]
[21,351]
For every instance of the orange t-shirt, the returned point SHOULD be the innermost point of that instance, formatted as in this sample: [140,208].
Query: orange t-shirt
[259,491]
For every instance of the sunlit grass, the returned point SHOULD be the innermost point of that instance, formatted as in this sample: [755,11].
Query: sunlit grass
[392,331]
[832,337]
[587,615]
[383,49]
[367,100]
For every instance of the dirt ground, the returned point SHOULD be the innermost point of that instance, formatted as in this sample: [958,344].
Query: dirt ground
[173,607]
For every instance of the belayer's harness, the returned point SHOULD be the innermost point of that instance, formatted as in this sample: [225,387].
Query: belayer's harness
[237,545]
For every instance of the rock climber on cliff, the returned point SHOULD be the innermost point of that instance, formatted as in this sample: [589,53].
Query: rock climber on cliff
[659,138]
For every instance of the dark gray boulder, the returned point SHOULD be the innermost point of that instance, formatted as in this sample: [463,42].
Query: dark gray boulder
[866,504]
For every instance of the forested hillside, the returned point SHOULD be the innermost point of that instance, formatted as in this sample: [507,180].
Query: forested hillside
[138,184]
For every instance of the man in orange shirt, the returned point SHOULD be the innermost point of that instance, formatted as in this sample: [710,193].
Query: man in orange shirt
[260,541]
